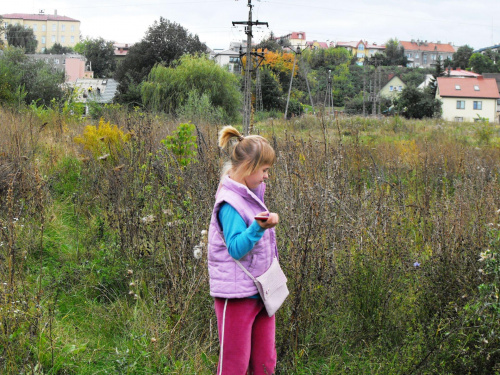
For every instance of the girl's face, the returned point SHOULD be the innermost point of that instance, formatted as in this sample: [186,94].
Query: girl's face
[259,176]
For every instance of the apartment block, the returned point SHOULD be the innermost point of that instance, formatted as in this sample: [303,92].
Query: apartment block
[49,29]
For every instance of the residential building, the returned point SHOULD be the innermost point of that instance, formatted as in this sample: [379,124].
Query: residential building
[228,58]
[296,39]
[121,50]
[495,48]
[94,90]
[449,73]
[317,45]
[48,29]
[424,55]
[496,77]
[74,66]
[392,88]
[468,99]
[362,49]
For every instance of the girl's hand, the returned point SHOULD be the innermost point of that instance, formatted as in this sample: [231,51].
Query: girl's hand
[272,220]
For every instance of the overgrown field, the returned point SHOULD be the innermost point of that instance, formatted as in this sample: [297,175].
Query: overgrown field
[388,235]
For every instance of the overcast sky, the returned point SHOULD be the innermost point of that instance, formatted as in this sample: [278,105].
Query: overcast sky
[125,21]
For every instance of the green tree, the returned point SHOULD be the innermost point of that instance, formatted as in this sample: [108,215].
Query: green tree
[393,55]
[438,72]
[168,88]
[414,103]
[2,32]
[270,44]
[461,57]
[482,64]
[163,43]
[58,49]
[272,91]
[18,36]
[101,55]
[31,80]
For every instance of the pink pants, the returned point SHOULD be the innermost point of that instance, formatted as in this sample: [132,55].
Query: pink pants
[246,336]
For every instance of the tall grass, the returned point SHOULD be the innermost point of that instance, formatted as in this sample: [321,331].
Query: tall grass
[381,227]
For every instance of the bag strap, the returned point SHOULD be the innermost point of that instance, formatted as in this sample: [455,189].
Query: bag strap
[244,269]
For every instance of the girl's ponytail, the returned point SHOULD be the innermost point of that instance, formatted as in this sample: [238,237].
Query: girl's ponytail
[226,134]
[248,154]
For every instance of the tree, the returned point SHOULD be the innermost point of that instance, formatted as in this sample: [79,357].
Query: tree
[18,36]
[31,80]
[481,64]
[438,72]
[163,43]
[272,91]
[101,55]
[461,57]
[414,103]
[270,44]
[2,32]
[58,49]
[168,88]
[393,55]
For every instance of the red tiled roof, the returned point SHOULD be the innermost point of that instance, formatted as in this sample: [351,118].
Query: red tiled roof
[37,17]
[427,47]
[487,87]
[462,73]
[295,35]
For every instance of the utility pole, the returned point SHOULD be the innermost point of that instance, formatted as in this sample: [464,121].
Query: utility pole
[290,87]
[247,106]
[364,88]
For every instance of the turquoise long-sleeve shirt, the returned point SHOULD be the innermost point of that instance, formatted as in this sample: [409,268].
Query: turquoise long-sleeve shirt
[239,238]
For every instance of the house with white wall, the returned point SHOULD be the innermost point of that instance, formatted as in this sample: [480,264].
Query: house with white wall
[468,99]
[228,58]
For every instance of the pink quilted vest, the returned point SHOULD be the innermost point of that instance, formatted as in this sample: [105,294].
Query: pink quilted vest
[227,280]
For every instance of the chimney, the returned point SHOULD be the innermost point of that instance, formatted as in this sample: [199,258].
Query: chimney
[55,12]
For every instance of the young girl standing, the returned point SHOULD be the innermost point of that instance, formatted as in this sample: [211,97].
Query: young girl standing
[246,332]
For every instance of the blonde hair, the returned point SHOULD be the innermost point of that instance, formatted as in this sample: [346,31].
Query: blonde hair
[249,153]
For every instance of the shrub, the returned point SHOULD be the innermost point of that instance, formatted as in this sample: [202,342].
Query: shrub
[102,139]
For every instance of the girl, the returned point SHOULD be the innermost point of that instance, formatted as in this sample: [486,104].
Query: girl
[246,332]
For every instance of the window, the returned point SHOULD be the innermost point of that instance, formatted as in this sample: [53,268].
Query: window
[63,27]
[457,87]
[476,88]
[72,39]
[25,27]
[478,105]
[459,119]
[53,38]
[391,88]
[56,61]
[72,27]
[400,88]
[63,39]
[54,27]
[44,27]
[416,55]
[460,104]
[409,55]
[43,40]
[498,101]
[425,58]
[34,27]
[361,47]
